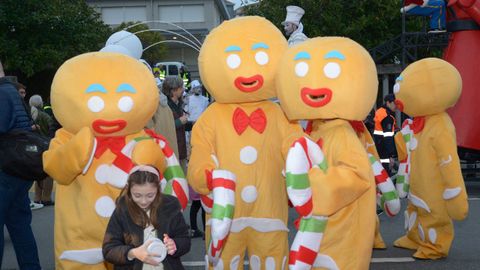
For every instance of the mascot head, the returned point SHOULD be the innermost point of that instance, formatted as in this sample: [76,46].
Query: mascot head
[427,87]
[238,59]
[113,94]
[327,78]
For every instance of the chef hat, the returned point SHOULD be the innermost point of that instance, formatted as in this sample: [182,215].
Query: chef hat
[294,15]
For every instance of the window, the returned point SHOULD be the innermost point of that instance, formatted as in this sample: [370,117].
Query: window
[182,14]
[117,15]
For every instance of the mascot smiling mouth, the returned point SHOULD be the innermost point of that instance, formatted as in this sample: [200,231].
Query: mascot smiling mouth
[249,84]
[316,97]
[108,127]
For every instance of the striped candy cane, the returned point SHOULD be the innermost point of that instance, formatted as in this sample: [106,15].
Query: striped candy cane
[223,184]
[403,174]
[174,182]
[387,196]
[302,156]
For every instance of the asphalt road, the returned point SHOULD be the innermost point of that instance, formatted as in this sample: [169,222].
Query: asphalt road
[464,253]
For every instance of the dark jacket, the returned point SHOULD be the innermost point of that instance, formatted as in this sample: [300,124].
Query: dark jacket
[177,110]
[13,114]
[123,234]
[384,132]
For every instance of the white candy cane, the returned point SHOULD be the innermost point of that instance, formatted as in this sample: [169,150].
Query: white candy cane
[174,181]
[403,174]
[223,183]
[302,156]
[387,196]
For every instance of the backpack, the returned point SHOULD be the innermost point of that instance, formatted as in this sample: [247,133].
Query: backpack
[21,154]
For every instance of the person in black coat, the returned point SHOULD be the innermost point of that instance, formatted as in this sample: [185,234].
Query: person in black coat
[142,214]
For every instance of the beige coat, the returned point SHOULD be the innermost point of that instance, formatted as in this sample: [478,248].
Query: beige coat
[162,123]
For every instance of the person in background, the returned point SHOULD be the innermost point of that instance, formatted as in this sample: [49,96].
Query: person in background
[15,211]
[163,122]
[144,215]
[293,27]
[172,87]
[43,187]
[383,134]
[196,105]
[22,91]
[185,75]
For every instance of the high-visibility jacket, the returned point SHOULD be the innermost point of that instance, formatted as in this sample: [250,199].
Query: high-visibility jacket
[383,133]
[186,81]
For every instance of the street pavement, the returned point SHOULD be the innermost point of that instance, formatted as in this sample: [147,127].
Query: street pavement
[464,253]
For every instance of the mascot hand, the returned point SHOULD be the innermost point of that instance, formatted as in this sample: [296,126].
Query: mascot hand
[148,152]
[78,145]
[457,207]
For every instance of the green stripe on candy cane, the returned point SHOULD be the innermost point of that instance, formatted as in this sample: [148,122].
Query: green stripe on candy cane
[220,212]
[297,181]
[314,225]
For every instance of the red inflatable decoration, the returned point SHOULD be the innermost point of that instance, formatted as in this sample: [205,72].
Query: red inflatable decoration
[463,51]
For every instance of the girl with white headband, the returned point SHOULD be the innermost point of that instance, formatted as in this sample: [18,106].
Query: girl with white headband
[142,217]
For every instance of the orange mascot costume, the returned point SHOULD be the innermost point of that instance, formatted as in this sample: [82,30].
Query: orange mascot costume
[236,161]
[331,81]
[429,172]
[103,101]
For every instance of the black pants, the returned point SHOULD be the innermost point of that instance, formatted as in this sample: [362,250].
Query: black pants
[196,205]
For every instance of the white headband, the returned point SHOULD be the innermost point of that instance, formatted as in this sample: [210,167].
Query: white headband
[145,168]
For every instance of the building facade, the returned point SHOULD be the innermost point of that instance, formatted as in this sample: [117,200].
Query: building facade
[198,17]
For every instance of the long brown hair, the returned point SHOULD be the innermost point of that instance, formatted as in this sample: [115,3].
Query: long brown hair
[137,214]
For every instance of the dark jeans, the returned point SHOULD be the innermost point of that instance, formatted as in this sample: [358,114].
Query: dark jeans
[196,205]
[15,213]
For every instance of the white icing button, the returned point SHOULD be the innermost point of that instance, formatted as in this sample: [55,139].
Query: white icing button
[249,194]
[248,155]
[104,206]
[107,174]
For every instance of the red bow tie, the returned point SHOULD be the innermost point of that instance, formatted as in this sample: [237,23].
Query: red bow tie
[257,120]
[418,124]
[115,144]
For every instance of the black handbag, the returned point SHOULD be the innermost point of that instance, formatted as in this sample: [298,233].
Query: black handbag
[21,154]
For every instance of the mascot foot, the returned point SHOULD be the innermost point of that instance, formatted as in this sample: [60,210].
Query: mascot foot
[405,242]
[421,255]
[379,245]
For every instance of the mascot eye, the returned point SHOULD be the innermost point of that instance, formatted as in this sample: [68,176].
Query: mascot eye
[301,69]
[332,70]
[233,61]
[95,104]
[261,58]
[396,88]
[125,104]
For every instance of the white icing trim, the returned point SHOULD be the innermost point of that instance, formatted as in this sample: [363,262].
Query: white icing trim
[418,202]
[325,261]
[254,262]
[270,263]
[218,265]
[234,262]
[432,235]
[85,256]
[451,193]
[215,160]
[411,220]
[420,232]
[284,262]
[258,224]
[446,161]
[90,159]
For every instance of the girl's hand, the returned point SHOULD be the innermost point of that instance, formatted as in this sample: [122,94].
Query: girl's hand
[170,244]
[142,254]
